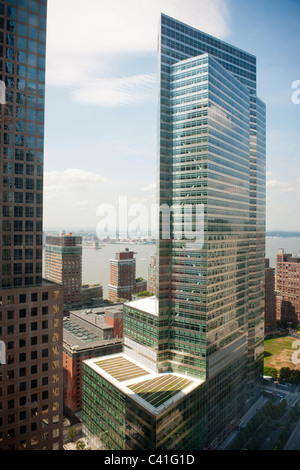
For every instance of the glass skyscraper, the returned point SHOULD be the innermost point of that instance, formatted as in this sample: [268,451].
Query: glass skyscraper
[30,307]
[193,354]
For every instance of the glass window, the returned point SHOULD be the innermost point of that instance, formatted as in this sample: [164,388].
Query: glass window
[22,15]
[23,4]
[22,28]
[11,12]
[22,43]
[32,60]
[10,53]
[33,33]
[32,46]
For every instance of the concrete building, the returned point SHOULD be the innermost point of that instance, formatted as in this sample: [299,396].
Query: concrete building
[88,333]
[63,264]
[288,287]
[31,408]
[192,363]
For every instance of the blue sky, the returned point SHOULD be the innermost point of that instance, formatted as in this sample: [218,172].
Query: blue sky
[101,105]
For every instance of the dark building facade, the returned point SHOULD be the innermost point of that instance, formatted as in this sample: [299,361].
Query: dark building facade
[31,308]
[270,298]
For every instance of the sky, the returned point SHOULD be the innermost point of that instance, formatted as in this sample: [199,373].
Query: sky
[101,101]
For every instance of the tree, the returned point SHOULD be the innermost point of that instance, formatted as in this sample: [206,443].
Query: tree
[284,374]
[72,433]
[145,293]
[81,445]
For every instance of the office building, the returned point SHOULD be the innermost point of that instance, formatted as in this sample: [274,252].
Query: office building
[194,352]
[63,264]
[270,299]
[88,333]
[31,308]
[152,275]
[288,287]
[122,275]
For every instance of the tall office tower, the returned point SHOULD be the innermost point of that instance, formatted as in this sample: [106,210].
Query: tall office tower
[193,354]
[31,308]
[212,153]
[288,287]
[270,298]
[63,264]
[122,275]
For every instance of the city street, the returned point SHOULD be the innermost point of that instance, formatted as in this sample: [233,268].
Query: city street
[291,396]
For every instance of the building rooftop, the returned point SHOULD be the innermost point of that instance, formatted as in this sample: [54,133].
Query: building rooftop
[121,368]
[159,390]
[153,391]
[86,329]
[146,304]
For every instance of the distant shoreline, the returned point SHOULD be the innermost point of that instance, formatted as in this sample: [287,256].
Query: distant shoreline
[283,234]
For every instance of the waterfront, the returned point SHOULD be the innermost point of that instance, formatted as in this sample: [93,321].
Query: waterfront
[289,244]
[95,263]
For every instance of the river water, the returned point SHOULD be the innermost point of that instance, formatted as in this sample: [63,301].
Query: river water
[96,263]
[96,267]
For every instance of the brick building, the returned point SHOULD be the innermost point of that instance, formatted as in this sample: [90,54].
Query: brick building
[88,333]
[288,287]
[122,275]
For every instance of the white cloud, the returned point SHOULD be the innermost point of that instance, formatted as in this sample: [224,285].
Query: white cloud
[280,186]
[69,179]
[115,91]
[151,187]
[72,196]
[84,40]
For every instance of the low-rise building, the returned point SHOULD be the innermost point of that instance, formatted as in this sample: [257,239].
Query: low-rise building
[91,293]
[140,286]
[139,409]
[88,333]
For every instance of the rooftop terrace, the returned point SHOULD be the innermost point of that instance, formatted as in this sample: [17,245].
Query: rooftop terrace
[154,391]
